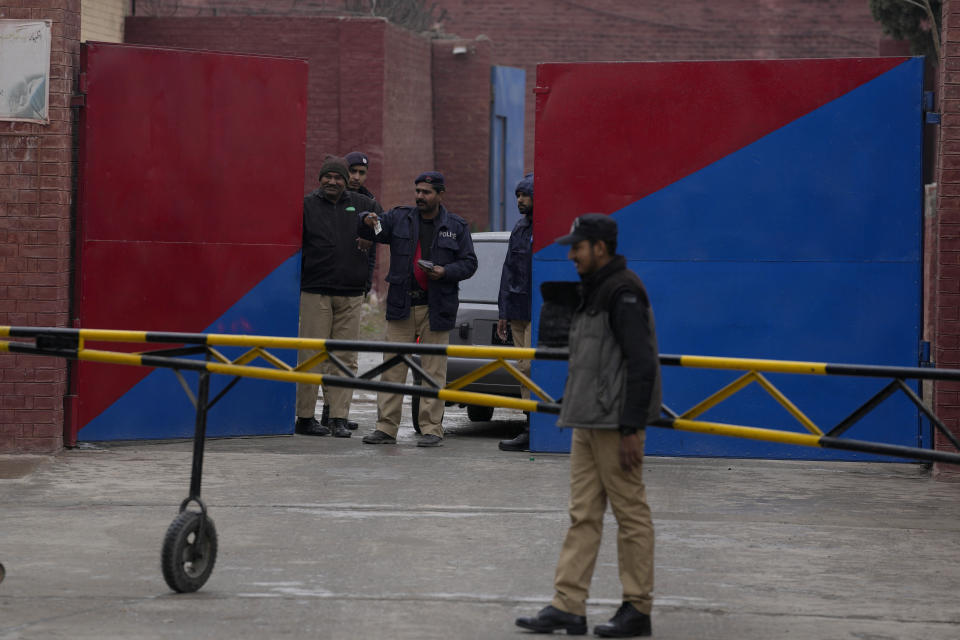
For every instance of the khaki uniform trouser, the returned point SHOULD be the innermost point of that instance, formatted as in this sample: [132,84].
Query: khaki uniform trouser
[595,476]
[330,318]
[390,405]
[521,338]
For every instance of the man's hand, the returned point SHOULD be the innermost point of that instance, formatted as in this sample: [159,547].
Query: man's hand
[631,452]
[502,329]
[436,273]
[363,244]
[371,220]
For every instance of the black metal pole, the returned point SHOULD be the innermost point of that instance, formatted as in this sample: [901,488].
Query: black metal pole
[199,434]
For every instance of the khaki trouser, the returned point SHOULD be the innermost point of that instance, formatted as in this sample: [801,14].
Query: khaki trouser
[595,476]
[331,318]
[389,405]
[521,338]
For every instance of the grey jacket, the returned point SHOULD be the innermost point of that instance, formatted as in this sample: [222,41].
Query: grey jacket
[613,382]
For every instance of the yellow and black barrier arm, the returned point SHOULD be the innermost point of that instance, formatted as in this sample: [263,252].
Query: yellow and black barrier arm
[69,343]
[187,562]
[816,437]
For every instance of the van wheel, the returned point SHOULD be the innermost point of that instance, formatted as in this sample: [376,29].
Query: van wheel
[477,413]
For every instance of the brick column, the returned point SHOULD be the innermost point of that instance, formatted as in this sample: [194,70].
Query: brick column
[461,126]
[36,186]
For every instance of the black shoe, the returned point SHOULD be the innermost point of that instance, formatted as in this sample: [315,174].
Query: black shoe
[378,437]
[430,440]
[549,619]
[325,419]
[520,443]
[627,622]
[325,415]
[339,428]
[310,427]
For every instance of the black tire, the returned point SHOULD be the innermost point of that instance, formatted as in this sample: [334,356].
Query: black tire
[186,561]
[3,573]
[477,413]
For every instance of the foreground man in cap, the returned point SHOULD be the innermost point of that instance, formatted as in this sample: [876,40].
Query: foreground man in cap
[612,393]
[514,299]
[332,277]
[431,251]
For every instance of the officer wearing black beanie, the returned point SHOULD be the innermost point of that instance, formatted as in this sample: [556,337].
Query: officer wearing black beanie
[333,278]
[515,294]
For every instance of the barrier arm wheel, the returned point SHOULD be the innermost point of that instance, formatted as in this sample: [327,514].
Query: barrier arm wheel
[189,551]
[3,572]
[190,544]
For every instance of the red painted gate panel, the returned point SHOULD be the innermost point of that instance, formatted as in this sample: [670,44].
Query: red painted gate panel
[189,219]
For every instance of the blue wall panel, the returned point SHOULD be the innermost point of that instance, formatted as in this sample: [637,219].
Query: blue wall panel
[506,144]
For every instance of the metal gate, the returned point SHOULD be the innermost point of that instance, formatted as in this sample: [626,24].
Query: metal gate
[773,209]
[189,219]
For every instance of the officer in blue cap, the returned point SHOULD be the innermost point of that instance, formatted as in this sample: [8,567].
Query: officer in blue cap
[431,251]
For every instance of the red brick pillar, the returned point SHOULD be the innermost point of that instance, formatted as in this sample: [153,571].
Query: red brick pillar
[36,186]
[461,125]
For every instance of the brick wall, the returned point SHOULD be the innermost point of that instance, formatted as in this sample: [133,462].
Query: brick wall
[36,174]
[102,20]
[407,115]
[461,125]
[947,304]
[526,33]
[362,46]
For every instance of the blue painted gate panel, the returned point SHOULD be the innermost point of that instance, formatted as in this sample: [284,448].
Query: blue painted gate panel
[506,144]
[804,244]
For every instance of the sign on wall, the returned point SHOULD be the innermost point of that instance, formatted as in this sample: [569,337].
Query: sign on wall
[24,70]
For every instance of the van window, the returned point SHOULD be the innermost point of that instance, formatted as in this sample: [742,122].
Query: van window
[484,286]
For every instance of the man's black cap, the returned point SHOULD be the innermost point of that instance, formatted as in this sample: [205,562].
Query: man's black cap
[590,226]
[357,157]
[433,178]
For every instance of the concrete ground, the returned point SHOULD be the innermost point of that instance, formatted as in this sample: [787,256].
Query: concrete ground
[329,538]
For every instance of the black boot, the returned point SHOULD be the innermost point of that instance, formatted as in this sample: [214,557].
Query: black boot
[310,427]
[549,619]
[339,428]
[325,419]
[520,443]
[627,622]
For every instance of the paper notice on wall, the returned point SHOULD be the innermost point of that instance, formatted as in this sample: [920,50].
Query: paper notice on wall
[24,70]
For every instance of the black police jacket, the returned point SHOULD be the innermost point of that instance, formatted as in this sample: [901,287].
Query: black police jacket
[331,262]
[514,298]
[452,249]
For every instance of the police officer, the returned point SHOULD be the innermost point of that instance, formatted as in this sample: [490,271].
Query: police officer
[431,251]
[612,393]
[514,299]
[332,276]
[357,168]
